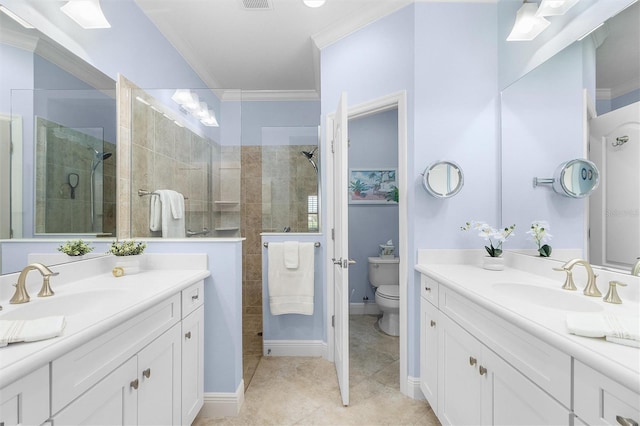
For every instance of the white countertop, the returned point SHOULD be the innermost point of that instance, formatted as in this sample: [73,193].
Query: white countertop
[116,301]
[620,363]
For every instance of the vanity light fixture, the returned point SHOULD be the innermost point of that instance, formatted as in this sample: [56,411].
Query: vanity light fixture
[314,3]
[86,13]
[15,17]
[555,7]
[190,102]
[528,25]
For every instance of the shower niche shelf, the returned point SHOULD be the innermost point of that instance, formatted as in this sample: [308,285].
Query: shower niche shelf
[226,203]
[229,228]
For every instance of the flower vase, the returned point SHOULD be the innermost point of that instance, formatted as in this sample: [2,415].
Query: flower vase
[493,263]
[130,264]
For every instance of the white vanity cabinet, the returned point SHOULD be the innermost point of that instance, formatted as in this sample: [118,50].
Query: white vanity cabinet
[429,341]
[602,401]
[148,369]
[26,401]
[192,352]
[482,365]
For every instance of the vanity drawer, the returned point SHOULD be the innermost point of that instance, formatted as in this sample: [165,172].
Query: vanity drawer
[72,374]
[599,400]
[429,289]
[192,298]
[543,364]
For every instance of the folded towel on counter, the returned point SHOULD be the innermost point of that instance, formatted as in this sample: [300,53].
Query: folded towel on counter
[291,290]
[13,331]
[291,254]
[623,329]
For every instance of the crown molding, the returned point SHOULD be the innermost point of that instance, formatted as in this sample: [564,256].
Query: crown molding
[344,28]
[268,95]
[618,90]
[17,39]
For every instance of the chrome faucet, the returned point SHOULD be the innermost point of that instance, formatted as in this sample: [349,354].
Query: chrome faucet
[590,289]
[21,295]
[636,268]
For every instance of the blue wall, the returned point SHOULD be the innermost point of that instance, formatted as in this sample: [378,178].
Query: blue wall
[373,144]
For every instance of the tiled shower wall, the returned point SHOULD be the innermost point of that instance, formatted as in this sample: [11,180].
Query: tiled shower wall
[276,184]
[59,152]
[167,156]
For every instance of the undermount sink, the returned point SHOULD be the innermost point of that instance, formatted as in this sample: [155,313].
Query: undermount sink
[562,300]
[63,304]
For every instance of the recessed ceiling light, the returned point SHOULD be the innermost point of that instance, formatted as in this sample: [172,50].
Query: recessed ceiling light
[314,3]
[555,7]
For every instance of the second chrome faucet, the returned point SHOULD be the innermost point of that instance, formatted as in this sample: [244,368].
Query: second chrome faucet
[591,289]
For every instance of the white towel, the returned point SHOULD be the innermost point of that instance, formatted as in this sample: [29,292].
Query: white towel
[169,204]
[13,331]
[291,290]
[623,329]
[291,254]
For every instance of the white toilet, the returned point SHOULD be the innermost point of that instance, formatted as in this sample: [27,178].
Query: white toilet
[384,274]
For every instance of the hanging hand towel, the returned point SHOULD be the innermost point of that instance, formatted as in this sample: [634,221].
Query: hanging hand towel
[155,213]
[291,290]
[176,202]
[13,331]
[171,227]
[623,329]
[291,254]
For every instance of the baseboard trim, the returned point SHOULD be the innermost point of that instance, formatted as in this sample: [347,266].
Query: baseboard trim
[222,404]
[413,388]
[370,308]
[294,348]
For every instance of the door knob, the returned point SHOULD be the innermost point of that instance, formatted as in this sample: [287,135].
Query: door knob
[472,361]
[352,262]
[626,421]
[433,323]
[147,373]
[482,371]
[134,384]
[336,261]
[187,335]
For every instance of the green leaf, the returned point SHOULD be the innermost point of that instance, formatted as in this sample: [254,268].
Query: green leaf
[545,250]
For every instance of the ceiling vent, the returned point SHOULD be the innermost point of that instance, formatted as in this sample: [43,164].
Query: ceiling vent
[256,4]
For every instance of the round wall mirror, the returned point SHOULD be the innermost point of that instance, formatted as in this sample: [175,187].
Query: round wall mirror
[443,179]
[576,178]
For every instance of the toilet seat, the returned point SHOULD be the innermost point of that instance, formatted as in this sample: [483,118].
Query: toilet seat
[389,292]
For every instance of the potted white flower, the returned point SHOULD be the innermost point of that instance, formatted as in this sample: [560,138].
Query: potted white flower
[539,233]
[495,237]
[128,253]
[75,248]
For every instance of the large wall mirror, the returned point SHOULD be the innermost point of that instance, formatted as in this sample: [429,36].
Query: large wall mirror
[63,159]
[581,103]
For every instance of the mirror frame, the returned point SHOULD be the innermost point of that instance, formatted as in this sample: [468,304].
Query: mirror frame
[429,188]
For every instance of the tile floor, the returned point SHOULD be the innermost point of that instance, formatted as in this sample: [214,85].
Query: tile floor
[304,391]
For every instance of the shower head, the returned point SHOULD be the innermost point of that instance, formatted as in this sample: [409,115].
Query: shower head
[309,154]
[100,155]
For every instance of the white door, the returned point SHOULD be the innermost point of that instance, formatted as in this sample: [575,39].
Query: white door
[615,148]
[340,248]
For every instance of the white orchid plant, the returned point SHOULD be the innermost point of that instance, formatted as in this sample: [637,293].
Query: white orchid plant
[495,236]
[539,233]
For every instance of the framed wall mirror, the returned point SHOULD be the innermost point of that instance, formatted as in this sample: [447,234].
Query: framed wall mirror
[559,110]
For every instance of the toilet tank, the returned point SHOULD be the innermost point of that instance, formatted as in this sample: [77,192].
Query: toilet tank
[384,271]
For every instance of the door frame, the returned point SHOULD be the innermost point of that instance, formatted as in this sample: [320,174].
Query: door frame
[397,101]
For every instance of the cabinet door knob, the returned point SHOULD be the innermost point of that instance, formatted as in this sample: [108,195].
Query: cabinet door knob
[195,297]
[147,373]
[472,361]
[433,323]
[134,384]
[427,288]
[187,335]
[626,421]
[482,370]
